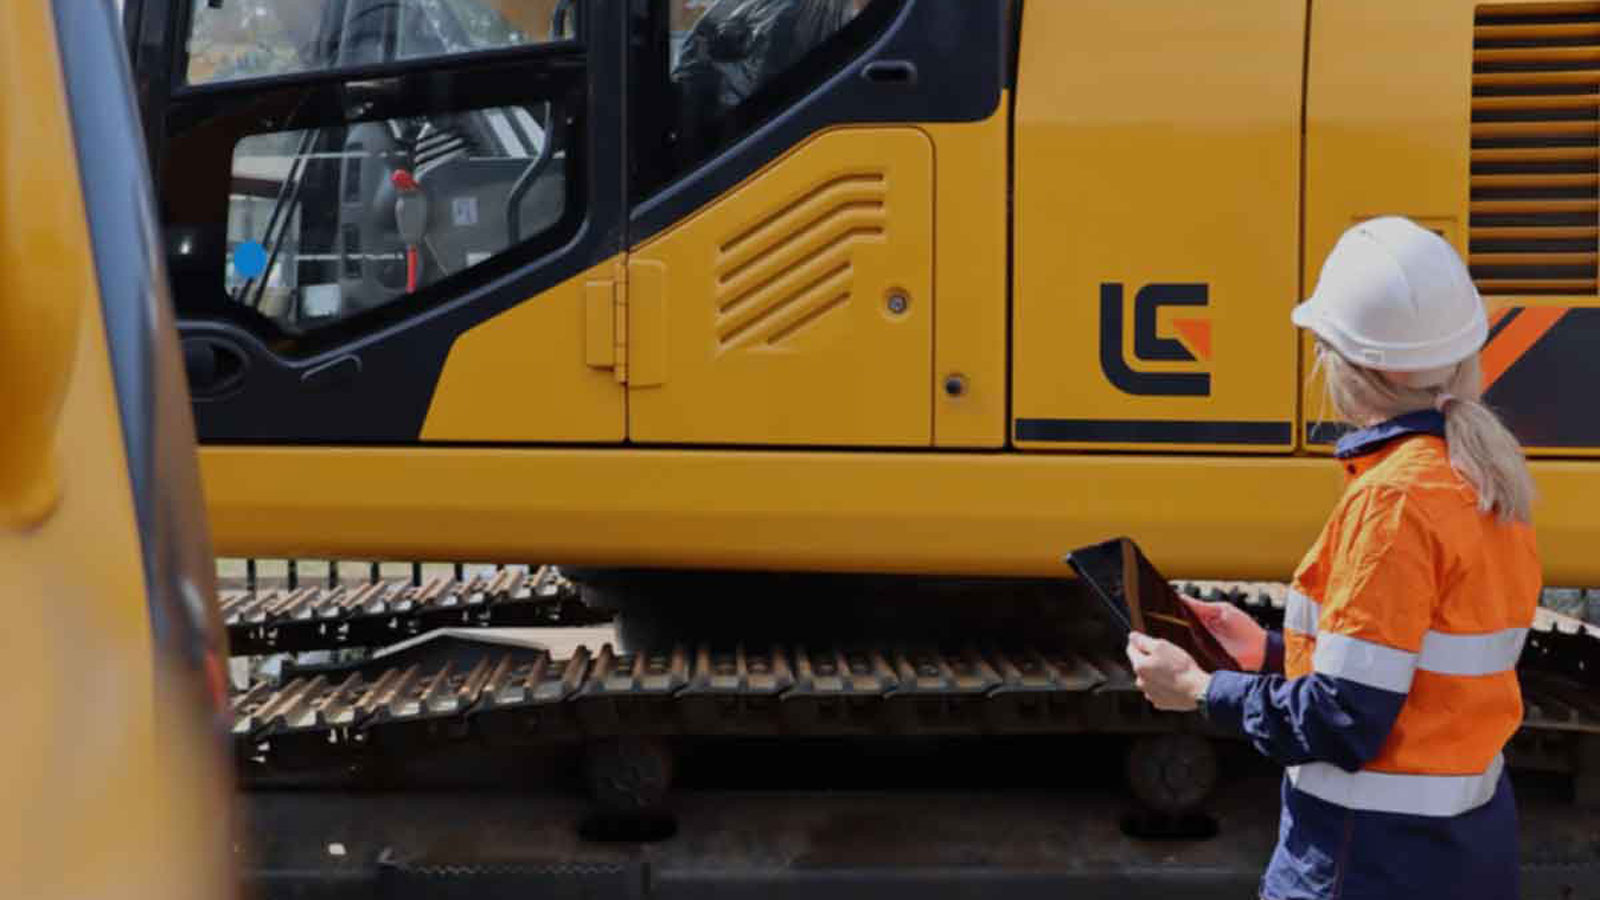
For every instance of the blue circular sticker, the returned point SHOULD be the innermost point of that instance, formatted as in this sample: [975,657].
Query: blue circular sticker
[249,259]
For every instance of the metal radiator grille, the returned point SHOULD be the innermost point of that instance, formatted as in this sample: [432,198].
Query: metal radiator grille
[1535,213]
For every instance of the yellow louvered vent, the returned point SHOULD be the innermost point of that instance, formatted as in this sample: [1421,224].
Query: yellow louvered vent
[1535,226]
[796,265]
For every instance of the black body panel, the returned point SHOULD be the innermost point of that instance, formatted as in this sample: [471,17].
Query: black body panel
[1530,396]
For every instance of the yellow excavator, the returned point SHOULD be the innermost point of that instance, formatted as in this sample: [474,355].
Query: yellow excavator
[800,335]
[814,285]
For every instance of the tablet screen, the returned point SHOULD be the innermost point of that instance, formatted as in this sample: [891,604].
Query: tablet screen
[1139,598]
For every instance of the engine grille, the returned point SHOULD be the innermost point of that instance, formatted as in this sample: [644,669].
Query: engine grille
[1535,210]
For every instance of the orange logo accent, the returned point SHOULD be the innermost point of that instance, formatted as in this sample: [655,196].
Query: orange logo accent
[1197,334]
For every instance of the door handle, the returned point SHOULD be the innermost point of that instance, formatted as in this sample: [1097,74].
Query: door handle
[214,366]
[895,72]
[335,374]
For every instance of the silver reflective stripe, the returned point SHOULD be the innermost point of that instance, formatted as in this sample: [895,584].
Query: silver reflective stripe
[1471,654]
[1301,613]
[1418,795]
[1364,662]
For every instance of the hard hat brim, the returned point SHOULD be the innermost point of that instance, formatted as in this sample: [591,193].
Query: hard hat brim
[1304,315]
[1470,340]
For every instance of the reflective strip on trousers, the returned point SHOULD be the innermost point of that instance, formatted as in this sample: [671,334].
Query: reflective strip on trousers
[1417,795]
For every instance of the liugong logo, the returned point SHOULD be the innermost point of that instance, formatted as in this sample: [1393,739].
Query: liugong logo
[1150,346]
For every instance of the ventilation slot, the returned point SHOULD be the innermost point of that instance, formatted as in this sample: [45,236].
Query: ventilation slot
[796,264]
[1535,226]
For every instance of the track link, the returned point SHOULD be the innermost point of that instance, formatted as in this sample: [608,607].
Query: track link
[383,612]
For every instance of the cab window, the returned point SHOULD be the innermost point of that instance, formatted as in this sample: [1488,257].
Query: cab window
[326,223]
[235,39]
[374,164]
[728,65]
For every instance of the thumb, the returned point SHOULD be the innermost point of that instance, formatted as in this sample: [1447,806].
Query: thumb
[1141,642]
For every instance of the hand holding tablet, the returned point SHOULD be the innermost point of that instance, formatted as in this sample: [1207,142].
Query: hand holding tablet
[1140,599]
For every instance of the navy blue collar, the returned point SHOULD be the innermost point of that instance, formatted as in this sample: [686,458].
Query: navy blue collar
[1365,440]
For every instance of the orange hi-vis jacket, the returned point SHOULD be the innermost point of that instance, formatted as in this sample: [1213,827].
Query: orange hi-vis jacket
[1399,690]
[1411,589]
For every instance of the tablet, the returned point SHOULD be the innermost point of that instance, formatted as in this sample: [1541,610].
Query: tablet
[1139,598]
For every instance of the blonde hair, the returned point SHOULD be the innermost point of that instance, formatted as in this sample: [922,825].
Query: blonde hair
[1482,449]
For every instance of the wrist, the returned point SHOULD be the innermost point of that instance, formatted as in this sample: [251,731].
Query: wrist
[1198,688]
[1254,652]
[1258,654]
[1223,706]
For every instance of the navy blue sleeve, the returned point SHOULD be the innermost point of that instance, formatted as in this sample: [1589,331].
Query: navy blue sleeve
[1318,718]
[1272,663]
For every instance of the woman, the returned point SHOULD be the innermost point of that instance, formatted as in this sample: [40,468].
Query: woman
[1392,689]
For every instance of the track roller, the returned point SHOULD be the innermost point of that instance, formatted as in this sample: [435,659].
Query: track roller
[1172,773]
[629,775]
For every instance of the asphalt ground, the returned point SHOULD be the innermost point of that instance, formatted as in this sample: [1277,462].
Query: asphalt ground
[969,818]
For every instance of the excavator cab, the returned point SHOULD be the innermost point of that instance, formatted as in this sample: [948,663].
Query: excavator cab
[379,216]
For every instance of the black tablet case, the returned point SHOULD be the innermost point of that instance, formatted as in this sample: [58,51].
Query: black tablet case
[1140,599]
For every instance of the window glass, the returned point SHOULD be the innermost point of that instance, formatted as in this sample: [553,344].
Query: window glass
[259,38]
[742,43]
[731,63]
[326,223]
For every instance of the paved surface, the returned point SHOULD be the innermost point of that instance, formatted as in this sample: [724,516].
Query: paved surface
[837,819]
[810,844]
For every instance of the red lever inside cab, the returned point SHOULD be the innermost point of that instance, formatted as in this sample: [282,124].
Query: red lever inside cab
[403,181]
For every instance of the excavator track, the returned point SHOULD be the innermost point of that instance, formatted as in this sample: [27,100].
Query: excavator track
[381,612]
[495,695]
[528,695]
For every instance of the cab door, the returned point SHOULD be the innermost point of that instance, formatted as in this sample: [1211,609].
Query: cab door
[391,222]
[784,231]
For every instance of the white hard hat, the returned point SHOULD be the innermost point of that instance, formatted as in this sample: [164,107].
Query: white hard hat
[1396,297]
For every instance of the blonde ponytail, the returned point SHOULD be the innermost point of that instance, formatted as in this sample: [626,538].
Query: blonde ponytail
[1482,449]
